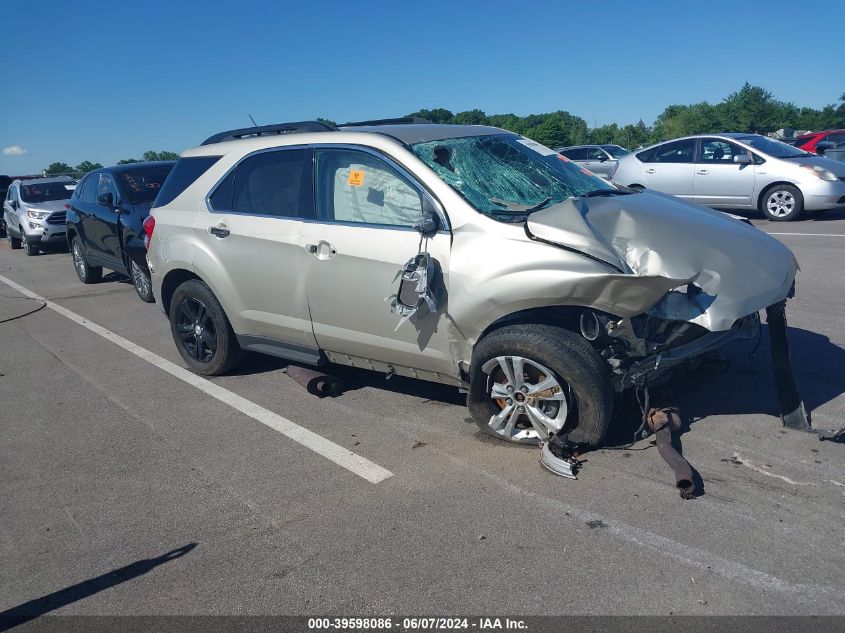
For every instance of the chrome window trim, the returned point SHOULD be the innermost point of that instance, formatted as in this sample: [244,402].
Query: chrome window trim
[413,180]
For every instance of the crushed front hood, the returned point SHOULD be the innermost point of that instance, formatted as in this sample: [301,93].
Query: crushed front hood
[738,268]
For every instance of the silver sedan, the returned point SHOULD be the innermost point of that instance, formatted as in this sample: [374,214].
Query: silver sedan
[738,171]
[602,160]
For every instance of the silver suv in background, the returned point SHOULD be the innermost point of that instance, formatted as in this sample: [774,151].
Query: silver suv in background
[602,160]
[34,211]
[738,171]
[462,254]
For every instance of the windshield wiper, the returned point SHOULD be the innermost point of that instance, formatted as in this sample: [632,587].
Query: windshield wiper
[595,193]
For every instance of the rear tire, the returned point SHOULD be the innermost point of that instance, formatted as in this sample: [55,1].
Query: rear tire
[782,203]
[202,332]
[578,371]
[87,274]
[141,281]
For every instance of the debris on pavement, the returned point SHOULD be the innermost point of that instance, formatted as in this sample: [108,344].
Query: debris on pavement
[316,382]
[560,457]
[663,421]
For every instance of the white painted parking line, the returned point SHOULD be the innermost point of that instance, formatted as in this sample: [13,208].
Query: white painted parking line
[341,456]
[809,234]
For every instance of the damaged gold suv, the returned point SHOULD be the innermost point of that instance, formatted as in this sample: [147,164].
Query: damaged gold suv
[465,255]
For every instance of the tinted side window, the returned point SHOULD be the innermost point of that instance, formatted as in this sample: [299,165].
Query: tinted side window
[595,153]
[87,191]
[646,156]
[221,198]
[106,185]
[718,151]
[184,174]
[579,153]
[355,186]
[676,152]
[270,183]
[835,138]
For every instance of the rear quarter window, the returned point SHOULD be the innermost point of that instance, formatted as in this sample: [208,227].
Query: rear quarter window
[646,156]
[184,174]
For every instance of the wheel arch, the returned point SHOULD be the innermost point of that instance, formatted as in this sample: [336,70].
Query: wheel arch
[566,316]
[172,280]
[765,190]
[71,234]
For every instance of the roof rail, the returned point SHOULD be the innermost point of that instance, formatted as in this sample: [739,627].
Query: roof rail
[269,130]
[399,121]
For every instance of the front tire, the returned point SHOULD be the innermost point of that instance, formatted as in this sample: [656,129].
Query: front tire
[14,242]
[29,248]
[87,274]
[202,333]
[528,382]
[782,203]
[141,281]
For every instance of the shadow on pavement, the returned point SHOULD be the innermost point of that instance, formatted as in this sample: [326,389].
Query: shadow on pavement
[746,385]
[38,607]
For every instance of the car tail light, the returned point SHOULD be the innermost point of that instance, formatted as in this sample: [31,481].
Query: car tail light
[149,227]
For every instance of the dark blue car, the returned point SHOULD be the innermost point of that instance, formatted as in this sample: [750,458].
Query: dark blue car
[105,222]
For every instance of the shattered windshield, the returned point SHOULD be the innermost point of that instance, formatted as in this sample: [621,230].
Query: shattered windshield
[506,175]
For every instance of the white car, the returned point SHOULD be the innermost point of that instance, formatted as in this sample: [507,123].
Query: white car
[738,171]
[34,212]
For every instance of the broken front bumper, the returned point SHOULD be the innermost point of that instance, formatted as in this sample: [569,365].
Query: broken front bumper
[658,366]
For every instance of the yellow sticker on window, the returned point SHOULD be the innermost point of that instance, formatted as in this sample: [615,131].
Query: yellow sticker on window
[356,177]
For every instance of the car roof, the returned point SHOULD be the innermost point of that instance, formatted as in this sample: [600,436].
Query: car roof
[808,134]
[119,169]
[423,132]
[407,130]
[44,181]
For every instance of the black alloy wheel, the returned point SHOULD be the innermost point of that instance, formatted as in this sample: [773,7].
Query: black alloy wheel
[195,330]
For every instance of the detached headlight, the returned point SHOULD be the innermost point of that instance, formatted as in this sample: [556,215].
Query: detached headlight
[38,215]
[821,172]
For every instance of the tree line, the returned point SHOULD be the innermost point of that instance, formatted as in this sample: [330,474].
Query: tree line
[86,165]
[749,109]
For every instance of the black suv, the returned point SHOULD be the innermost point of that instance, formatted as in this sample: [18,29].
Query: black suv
[105,222]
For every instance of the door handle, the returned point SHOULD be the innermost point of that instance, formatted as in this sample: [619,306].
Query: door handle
[701,172]
[322,250]
[221,230]
[649,171]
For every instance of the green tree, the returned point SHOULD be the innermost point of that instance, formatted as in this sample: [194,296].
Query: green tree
[438,115]
[58,168]
[751,109]
[470,117]
[161,156]
[86,166]
[128,161]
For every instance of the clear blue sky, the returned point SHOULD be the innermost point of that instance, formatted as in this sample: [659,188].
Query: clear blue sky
[102,81]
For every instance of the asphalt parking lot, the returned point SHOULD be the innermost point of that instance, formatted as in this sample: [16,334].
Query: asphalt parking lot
[108,462]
